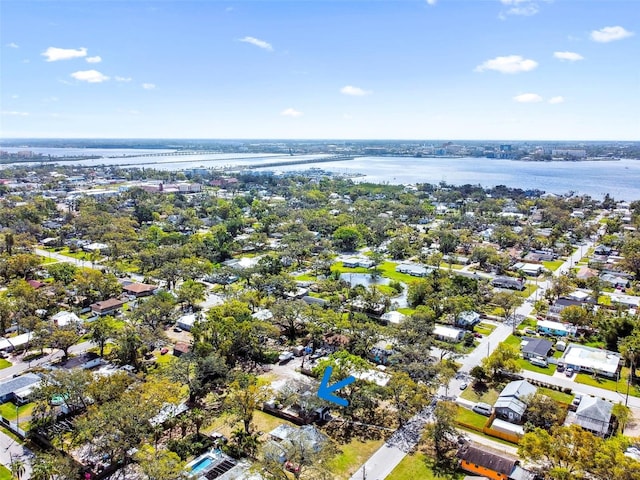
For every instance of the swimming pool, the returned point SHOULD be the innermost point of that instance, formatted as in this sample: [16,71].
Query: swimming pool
[201,465]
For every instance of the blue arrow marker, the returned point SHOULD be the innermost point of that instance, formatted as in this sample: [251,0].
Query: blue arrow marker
[325,392]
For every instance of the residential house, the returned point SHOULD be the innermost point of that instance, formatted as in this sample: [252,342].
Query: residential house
[139,289]
[19,388]
[615,280]
[355,262]
[585,273]
[448,334]
[185,322]
[106,307]
[393,317]
[468,319]
[284,434]
[482,461]
[591,360]
[512,402]
[530,269]
[63,319]
[509,282]
[181,348]
[593,414]
[413,269]
[535,347]
[548,327]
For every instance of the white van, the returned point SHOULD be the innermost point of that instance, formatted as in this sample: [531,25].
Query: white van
[539,362]
[482,409]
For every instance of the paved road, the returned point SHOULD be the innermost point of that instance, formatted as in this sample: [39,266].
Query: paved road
[20,366]
[10,450]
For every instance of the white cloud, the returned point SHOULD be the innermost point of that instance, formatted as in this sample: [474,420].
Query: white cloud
[54,54]
[96,59]
[508,64]
[290,112]
[556,100]
[347,116]
[13,45]
[354,91]
[525,8]
[148,86]
[432,2]
[569,56]
[15,114]
[257,42]
[123,79]
[609,34]
[90,76]
[528,98]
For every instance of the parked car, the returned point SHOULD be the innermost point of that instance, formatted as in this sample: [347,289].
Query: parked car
[463,385]
[285,357]
[560,367]
[568,372]
[482,409]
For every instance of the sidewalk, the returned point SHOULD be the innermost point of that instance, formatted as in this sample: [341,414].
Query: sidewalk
[10,450]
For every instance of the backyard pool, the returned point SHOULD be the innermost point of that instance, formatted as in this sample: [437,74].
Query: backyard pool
[201,464]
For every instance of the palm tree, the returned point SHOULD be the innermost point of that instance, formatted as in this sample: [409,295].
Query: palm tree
[18,468]
[198,417]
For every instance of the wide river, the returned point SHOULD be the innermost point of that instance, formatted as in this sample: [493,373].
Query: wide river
[621,178]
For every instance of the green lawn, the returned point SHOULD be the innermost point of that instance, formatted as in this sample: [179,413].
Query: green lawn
[484,328]
[607,384]
[407,311]
[470,417]
[8,410]
[557,396]
[306,278]
[489,396]
[513,340]
[526,365]
[416,466]
[553,265]
[5,473]
[604,300]
[352,455]
[4,363]
[339,267]
[530,288]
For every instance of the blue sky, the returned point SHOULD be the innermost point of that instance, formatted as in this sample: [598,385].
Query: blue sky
[402,69]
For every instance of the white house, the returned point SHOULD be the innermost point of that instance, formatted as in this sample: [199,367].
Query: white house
[592,360]
[448,334]
[186,322]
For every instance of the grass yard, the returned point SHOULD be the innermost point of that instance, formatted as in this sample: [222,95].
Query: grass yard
[553,265]
[528,291]
[306,278]
[489,396]
[388,270]
[526,365]
[8,410]
[604,300]
[407,311]
[4,363]
[513,340]
[557,396]
[416,466]
[5,473]
[352,455]
[339,267]
[607,384]
[484,328]
[470,417]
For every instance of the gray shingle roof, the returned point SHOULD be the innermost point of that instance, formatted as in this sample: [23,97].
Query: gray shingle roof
[18,383]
